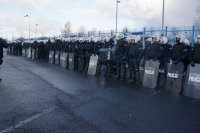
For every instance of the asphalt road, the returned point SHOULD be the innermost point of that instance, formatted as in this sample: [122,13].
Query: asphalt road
[42,98]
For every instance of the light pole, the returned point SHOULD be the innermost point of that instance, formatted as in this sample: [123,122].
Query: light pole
[36,25]
[117,2]
[29,25]
[163,16]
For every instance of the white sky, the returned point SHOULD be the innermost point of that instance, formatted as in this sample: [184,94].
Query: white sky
[51,15]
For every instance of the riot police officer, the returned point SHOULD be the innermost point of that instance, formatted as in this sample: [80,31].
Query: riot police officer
[195,53]
[164,59]
[88,52]
[134,55]
[3,44]
[109,42]
[180,53]
[179,50]
[119,54]
[153,51]
[166,54]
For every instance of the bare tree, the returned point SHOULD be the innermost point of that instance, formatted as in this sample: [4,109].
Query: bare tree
[67,29]
[82,31]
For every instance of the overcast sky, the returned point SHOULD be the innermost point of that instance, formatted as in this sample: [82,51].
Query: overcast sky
[51,15]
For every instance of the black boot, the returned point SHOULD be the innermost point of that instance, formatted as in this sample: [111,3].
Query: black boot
[137,77]
[131,77]
[118,73]
[108,70]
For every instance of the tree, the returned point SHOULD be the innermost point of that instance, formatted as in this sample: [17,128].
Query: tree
[67,29]
[82,31]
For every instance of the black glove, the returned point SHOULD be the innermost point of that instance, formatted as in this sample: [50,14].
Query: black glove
[192,64]
[176,62]
[124,58]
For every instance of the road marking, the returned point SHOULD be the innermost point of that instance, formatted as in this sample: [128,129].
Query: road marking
[22,123]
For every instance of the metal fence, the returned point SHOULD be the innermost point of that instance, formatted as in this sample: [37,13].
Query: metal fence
[190,32]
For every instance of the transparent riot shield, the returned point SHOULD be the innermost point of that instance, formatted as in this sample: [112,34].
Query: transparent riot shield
[63,60]
[71,61]
[51,57]
[33,54]
[174,77]
[192,82]
[93,65]
[29,53]
[141,69]
[151,74]
[23,52]
[57,57]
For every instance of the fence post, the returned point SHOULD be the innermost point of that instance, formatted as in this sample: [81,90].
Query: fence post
[144,37]
[193,34]
[166,30]
[99,33]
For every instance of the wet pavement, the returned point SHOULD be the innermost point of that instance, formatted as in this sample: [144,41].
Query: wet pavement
[42,98]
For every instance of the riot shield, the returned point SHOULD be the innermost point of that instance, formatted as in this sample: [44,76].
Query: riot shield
[57,57]
[174,77]
[23,52]
[29,53]
[51,57]
[162,77]
[8,51]
[93,65]
[151,74]
[71,61]
[36,53]
[33,54]
[141,69]
[26,52]
[63,60]
[192,82]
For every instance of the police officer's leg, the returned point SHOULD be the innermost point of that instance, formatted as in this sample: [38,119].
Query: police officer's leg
[130,64]
[108,69]
[86,63]
[136,71]
[184,78]
[118,67]
[123,68]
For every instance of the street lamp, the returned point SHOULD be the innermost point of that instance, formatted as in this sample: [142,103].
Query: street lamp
[117,2]
[36,25]
[27,16]
[163,16]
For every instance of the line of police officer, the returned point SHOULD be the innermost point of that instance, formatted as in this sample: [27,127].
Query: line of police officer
[128,54]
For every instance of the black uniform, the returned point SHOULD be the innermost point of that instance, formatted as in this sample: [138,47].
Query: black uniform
[3,44]
[195,55]
[153,51]
[180,53]
[119,55]
[166,55]
[134,54]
